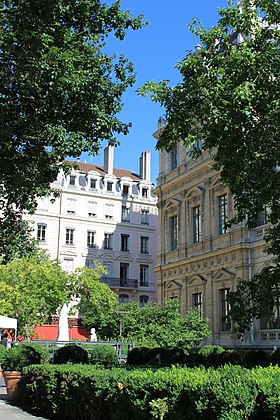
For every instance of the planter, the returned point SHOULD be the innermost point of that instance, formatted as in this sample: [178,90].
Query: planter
[11,380]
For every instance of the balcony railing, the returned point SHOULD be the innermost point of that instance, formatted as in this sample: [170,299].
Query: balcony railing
[118,282]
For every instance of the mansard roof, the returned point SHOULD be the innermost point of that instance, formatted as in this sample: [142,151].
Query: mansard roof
[119,173]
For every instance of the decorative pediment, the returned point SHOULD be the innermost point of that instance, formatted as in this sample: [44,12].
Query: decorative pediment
[108,256]
[144,260]
[223,273]
[172,284]
[124,258]
[195,192]
[196,279]
[68,253]
[91,254]
[172,203]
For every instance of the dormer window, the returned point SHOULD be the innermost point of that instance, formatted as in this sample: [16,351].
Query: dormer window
[145,192]
[72,180]
[92,183]
[109,186]
[125,190]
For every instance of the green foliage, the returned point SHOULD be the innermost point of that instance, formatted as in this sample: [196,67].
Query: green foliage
[31,290]
[154,325]
[3,351]
[17,357]
[70,353]
[97,301]
[208,351]
[229,99]
[61,91]
[275,357]
[230,392]
[102,354]
[255,357]
[137,356]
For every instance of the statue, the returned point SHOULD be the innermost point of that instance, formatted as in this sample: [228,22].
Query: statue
[92,335]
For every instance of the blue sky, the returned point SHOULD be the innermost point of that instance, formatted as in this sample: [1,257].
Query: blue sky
[154,50]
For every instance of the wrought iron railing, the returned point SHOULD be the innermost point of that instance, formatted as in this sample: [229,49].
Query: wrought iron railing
[119,282]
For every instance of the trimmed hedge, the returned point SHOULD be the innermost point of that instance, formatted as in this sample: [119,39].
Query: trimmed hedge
[70,353]
[102,354]
[17,357]
[88,392]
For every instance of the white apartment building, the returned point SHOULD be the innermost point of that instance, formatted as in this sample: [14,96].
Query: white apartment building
[104,215]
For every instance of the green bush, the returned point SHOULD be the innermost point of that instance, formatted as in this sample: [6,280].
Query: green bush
[88,392]
[17,357]
[231,357]
[275,357]
[102,354]
[137,356]
[3,351]
[208,351]
[165,356]
[70,353]
[255,357]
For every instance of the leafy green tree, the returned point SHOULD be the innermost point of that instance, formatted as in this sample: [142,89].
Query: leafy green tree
[60,90]
[154,325]
[16,239]
[32,290]
[97,302]
[229,99]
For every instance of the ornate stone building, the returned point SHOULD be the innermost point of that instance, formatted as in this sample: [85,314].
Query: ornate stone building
[199,261]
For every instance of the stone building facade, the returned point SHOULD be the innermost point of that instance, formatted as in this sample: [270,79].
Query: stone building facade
[199,261]
[104,215]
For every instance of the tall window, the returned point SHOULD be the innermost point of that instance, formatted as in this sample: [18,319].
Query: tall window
[197,302]
[144,275]
[224,309]
[124,242]
[108,241]
[109,268]
[71,206]
[92,208]
[223,205]
[124,270]
[72,180]
[69,240]
[91,239]
[41,232]
[144,217]
[68,265]
[196,224]
[125,214]
[174,157]
[109,211]
[144,244]
[173,233]
[143,300]
[262,218]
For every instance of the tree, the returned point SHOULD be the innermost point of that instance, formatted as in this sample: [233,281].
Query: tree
[32,290]
[154,325]
[60,91]
[229,99]
[97,302]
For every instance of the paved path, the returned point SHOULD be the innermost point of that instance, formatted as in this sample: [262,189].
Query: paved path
[9,411]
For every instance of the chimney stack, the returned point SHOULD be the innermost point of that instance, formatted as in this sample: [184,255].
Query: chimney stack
[109,159]
[145,166]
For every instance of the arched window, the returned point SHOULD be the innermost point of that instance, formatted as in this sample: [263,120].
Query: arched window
[123,298]
[143,300]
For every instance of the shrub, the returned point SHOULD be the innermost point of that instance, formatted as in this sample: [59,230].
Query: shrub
[256,357]
[17,357]
[165,356]
[229,392]
[102,354]
[137,356]
[231,357]
[208,351]
[3,351]
[275,357]
[70,353]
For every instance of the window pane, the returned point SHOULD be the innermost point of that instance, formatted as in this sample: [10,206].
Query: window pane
[144,275]
[41,232]
[222,213]
[196,224]
[224,309]
[173,233]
